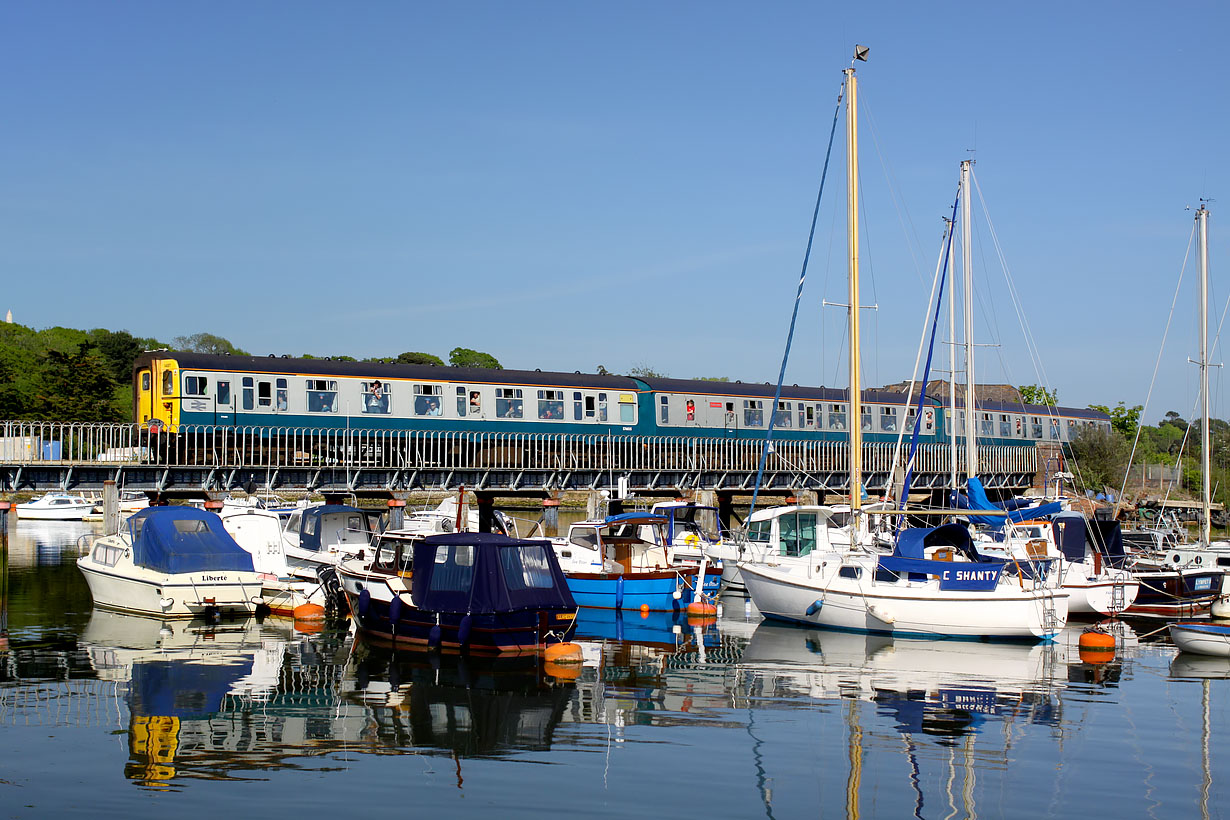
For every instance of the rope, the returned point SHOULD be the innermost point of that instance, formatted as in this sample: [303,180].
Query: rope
[764,453]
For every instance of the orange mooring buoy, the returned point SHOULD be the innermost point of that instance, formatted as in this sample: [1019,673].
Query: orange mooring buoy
[562,653]
[1096,646]
[702,609]
[309,612]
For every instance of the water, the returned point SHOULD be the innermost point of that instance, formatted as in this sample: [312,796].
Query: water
[112,715]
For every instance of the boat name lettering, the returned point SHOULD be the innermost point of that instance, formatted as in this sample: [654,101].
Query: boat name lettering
[208,578]
[976,574]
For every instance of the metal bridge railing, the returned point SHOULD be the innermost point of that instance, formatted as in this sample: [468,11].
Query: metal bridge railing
[32,443]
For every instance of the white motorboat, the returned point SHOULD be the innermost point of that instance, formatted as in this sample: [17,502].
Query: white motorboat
[173,562]
[323,535]
[1201,638]
[259,531]
[56,507]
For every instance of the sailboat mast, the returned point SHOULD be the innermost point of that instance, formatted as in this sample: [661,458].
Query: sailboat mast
[967,268]
[1202,222]
[856,394]
[952,382]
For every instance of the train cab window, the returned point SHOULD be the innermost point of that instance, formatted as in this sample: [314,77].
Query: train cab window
[145,380]
[578,409]
[321,395]
[627,408]
[551,404]
[195,385]
[264,394]
[837,416]
[782,417]
[168,382]
[376,397]
[281,394]
[1005,425]
[888,419]
[987,427]
[508,403]
[249,393]
[476,403]
[664,410]
[602,407]
[428,399]
[224,392]
[753,413]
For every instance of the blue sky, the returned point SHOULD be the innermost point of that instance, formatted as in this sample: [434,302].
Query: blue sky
[565,185]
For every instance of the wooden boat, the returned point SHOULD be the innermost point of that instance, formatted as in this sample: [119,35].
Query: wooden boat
[1201,638]
[479,592]
[173,562]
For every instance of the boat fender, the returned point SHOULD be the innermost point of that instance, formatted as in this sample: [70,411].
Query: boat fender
[435,636]
[395,607]
[365,603]
[619,592]
[166,603]
[881,614]
[463,630]
[815,607]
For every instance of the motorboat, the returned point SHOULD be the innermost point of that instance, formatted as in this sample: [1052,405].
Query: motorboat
[286,590]
[479,592]
[56,507]
[172,562]
[322,535]
[610,565]
[1201,638]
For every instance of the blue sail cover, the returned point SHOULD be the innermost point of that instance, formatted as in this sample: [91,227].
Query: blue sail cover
[980,573]
[486,573]
[978,500]
[184,539]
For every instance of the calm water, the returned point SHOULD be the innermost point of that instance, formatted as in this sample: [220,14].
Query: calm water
[111,715]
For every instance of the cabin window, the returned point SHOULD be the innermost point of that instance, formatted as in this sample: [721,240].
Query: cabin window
[282,394]
[551,404]
[526,568]
[108,554]
[145,380]
[850,572]
[321,395]
[190,526]
[168,382]
[760,531]
[264,394]
[888,419]
[587,538]
[454,568]
[428,399]
[753,413]
[224,392]
[195,385]
[602,407]
[376,397]
[987,427]
[578,409]
[309,524]
[508,402]
[798,533]
[837,416]
[627,408]
[664,410]
[1005,425]
[782,417]
[249,394]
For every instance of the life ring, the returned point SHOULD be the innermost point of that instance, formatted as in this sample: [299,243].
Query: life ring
[691,539]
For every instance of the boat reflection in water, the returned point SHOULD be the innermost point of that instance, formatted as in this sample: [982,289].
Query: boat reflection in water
[463,706]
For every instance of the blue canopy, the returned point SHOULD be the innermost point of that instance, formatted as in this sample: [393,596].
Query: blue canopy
[635,518]
[184,539]
[484,573]
[1103,536]
[910,542]
[978,500]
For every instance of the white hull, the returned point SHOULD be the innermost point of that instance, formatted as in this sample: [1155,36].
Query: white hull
[74,512]
[188,595]
[1107,594]
[1199,642]
[905,608]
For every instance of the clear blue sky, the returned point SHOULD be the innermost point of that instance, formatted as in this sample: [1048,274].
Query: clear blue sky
[565,185]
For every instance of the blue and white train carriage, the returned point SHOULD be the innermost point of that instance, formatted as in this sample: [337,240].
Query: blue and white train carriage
[173,390]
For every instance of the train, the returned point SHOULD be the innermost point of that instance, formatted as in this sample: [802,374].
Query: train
[175,390]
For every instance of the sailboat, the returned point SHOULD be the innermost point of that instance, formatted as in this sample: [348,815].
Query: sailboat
[934,584]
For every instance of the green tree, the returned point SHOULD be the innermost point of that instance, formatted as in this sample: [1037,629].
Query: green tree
[412,357]
[465,357]
[712,378]
[77,387]
[120,349]
[1102,456]
[1034,394]
[1125,420]
[644,371]
[207,343]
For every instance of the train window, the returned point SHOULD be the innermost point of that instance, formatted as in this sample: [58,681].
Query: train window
[627,407]
[145,380]
[264,394]
[664,411]
[168,382]
[590,407]
[376,398]
[249,395]
[1005,425]
[753,413]
[551,404]
[321,395]
[461,402]
[987,427]
[689,409]
[281,394]
[427,399]
[1035,427]
[508,402]
[195,385]
[888,419]
[602,407]
[224,392]
[865,417]
[837,416]
[807,415]
[476,403]
[1055,429]
[578,409]
[928,420]
[782,417]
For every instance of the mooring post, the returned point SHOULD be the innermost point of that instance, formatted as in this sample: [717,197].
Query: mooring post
[397,511]
[111,508]
[4,574]
[550,517]
[486,511]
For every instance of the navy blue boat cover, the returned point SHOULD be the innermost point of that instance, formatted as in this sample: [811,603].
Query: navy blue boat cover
[184,539]
[484,573]
[1104,536]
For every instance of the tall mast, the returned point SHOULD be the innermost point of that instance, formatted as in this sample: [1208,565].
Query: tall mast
[856,395]
[952,380]
[967,265]
[1202,251]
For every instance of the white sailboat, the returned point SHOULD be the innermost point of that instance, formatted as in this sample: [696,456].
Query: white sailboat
[934,584]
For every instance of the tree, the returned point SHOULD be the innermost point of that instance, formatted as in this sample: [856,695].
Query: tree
[465,357]
[77,387]
[1034,394]
[419,358]
[1125,420]
[120,349]
[206,343]
[713,378]
[1102,456]
[644,371]
[602,371]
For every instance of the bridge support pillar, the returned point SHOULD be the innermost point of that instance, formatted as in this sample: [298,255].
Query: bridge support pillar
[726,510]
[593,505]
[809,497]
[550,515]
[397,510]
[486,511]
[111,508]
